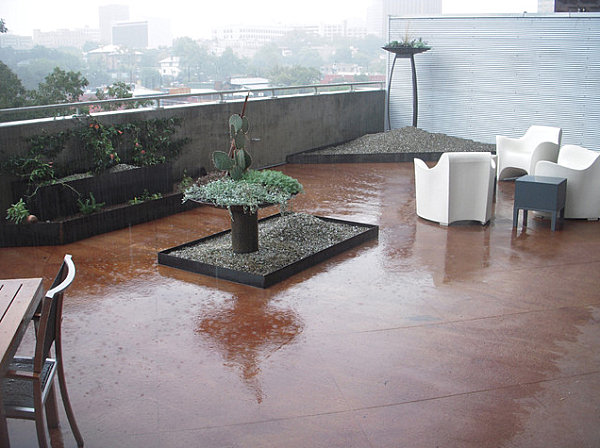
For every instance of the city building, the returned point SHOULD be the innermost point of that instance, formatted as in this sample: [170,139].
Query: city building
[546,6]
[170,66]
[109,15]
[66,38]
[380,10]
[130,34]
[16,42]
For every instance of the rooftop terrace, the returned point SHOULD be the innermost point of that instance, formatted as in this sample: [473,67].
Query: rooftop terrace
[465,336]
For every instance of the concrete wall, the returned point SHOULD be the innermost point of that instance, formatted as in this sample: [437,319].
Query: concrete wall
[278,127]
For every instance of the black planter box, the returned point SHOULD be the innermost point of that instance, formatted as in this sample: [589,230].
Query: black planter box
[406,51]
[313,156]
[53,201]
[74,228]
[165,258]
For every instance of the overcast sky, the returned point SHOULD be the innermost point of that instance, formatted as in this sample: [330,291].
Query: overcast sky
[196,19]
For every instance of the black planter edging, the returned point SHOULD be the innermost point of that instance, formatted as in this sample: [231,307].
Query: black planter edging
[75,228]
[264,281]
[54,201]
[314,157]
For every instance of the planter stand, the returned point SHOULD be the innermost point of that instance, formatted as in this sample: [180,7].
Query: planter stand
[244,231]
[405,52]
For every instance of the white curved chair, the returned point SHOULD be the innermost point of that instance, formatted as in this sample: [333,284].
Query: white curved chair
[459,188]
[581,168]
[518,156]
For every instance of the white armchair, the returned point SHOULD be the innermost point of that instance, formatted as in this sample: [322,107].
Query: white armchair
[581,168]
[518,156]
[459,188]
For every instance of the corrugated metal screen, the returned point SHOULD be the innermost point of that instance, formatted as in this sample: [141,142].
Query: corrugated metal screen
[498,75]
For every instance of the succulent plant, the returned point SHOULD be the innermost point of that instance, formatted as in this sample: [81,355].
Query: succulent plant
[237,162]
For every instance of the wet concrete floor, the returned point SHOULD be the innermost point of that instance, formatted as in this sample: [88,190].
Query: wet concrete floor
[466,336]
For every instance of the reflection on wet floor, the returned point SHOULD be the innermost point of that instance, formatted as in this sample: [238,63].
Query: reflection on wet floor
[460,336]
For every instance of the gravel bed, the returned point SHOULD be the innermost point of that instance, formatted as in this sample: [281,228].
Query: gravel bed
[281,240]
[285,240]
[407,140]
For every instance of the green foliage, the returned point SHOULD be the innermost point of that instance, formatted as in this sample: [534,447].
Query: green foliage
[143,143]
[60,87]
[37,166]
[186,182]
[414,43]
[151,142]
[12,92]
[97,140]
[227,192]
[89,205]
[296,75]
[17,212]
[118,90]
[254,189]
[146,196]
[275,180]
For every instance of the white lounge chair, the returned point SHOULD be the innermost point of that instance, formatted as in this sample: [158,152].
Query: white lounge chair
[518,156]
[459,188]
[581,168]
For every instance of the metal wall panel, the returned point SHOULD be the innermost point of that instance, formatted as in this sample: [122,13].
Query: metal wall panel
[489,75]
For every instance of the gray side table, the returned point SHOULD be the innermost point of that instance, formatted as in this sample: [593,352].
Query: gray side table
[540,193]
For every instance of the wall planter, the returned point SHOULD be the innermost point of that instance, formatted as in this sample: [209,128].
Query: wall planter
[73,228]
[58,200]
[313,156]
[167,258]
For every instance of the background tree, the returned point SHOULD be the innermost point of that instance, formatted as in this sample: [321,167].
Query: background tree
[265,59]
[194,61]
[228,65]
[12,92]
[295,75]
[60,87]
[3,28]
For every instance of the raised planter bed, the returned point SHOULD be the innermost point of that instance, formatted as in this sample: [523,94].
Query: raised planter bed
[57,200]
[313,156]
[76,227]
[167,258]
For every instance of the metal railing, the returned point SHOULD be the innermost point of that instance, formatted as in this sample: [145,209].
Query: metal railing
[165,100]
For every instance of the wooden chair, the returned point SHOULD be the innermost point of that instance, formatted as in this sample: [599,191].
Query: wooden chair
[28,384]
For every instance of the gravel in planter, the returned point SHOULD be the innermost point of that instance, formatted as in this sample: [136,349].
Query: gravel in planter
[282,241]
[407,140]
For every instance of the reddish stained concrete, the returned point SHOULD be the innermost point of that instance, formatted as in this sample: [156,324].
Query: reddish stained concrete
[466,336]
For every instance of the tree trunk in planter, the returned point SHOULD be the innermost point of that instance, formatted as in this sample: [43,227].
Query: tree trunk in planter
[244,231]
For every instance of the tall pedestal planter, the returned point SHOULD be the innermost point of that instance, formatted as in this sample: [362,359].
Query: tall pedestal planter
[408,53]
[244,231]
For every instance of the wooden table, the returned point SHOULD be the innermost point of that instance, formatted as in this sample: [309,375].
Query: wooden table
[19,299]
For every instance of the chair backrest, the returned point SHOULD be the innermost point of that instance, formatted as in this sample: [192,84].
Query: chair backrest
[52,304]
[537,134]
[577,157]
[471,178]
